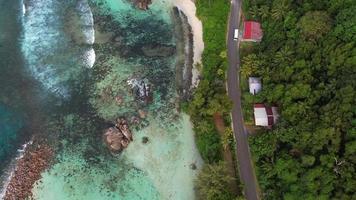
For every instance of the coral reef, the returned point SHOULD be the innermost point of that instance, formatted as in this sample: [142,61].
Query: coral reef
[29,168]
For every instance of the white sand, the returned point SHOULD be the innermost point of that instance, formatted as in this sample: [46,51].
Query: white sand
[189,9]
[167,157]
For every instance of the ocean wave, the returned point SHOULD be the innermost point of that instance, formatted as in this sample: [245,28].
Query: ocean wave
[89,58]
[23,9]
[87,20]
[41,39]
[11,169]
[51,56]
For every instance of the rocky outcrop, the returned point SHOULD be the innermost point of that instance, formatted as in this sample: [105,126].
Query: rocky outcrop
[184,64]
[141,89]
[142,4]
[28,171]
[158,50]
[118,137]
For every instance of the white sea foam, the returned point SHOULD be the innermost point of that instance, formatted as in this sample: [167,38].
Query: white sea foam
[23,9]
[89,58]
[12,167]
[40,41]
[47,48]
[87,21]
[87,27]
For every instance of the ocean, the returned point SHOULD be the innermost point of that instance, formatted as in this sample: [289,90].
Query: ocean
[63,65]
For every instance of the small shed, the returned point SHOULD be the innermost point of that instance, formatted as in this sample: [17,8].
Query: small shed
[255,85]
[265,116]
[252,31]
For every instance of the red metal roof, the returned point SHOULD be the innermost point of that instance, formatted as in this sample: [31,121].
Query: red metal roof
[259,105]
[269,111]
[252,31]
[270,120]
[264,115]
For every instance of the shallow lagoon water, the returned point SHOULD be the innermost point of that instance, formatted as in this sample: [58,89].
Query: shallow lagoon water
[84,168]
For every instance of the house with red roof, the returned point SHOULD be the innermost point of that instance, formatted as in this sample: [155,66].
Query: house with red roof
[265,116]
[252,31]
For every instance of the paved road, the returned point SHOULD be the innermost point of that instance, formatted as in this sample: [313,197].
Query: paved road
[246,170]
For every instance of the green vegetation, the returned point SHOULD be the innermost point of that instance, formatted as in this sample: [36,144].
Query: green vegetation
[213,183]
[307,60]
[209,98]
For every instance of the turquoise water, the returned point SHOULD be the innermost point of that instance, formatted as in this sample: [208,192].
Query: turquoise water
[74,99]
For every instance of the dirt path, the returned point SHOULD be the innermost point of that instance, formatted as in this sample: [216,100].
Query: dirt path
[227,154]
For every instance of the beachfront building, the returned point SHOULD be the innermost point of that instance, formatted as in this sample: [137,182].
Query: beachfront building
[252,31]
[265,116]
[255,85]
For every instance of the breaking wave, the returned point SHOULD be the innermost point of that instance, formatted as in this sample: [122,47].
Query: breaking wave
[51,55]
[11,168]
[87,21]
[89,58]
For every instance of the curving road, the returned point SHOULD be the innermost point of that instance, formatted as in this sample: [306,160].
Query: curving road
[246,170]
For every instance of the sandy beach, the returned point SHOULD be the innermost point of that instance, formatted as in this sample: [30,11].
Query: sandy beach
[174,151]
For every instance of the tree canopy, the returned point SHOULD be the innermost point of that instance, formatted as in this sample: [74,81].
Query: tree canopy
[315,24]
[307,62]
[213,182]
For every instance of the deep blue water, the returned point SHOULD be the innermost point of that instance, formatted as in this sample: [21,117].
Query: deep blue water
[20,94]
[11,63]
[10,125]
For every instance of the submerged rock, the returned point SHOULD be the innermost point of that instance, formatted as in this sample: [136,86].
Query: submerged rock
[37,158]
[142,114]
[158,50]
[119,100]
[193,166]
[145,140]
[118,41]
[142,4]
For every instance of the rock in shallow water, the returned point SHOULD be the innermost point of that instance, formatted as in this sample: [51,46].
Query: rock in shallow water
[142,4]
[141,88]
[158,50]
[145,140]
[118,137]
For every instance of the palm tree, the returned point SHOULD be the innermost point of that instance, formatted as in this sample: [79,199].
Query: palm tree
[247,71]
[280,9]
[254,12]
[213,181]
[250,65]
[263,11]
[284,55]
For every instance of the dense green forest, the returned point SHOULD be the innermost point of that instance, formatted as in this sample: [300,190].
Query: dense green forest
[307,61]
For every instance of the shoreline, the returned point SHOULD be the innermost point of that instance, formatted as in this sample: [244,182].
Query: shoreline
[10,170]
[34,158]
[189,9]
